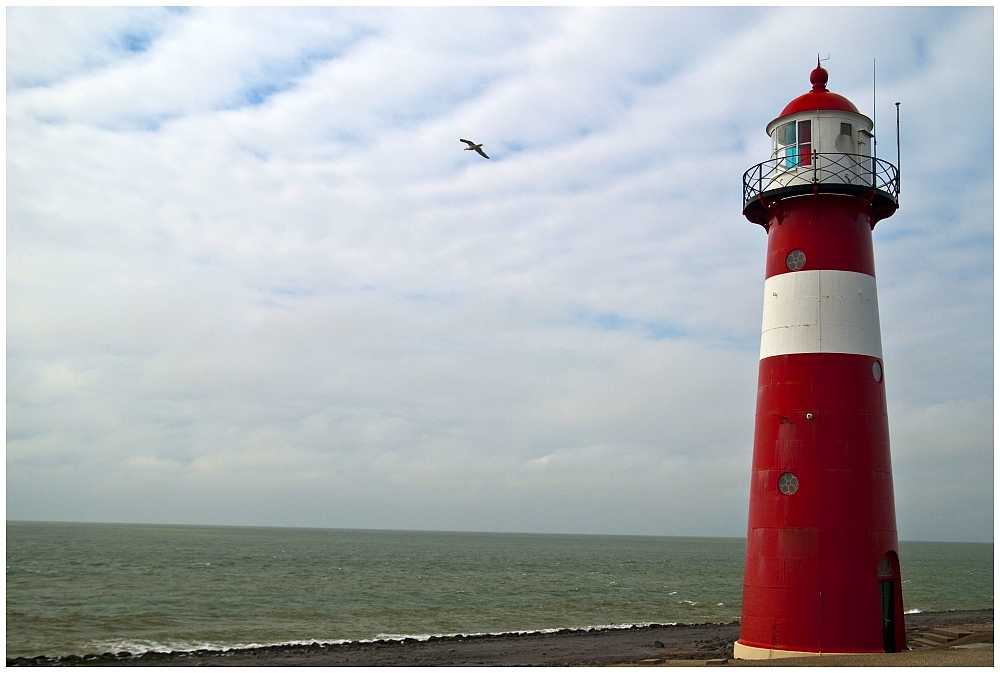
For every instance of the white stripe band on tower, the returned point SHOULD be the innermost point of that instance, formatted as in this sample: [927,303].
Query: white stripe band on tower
[820,312]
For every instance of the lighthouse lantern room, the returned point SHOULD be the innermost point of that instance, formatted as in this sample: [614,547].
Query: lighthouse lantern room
[822,565]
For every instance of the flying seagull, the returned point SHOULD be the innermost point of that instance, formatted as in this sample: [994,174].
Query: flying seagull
[474,146]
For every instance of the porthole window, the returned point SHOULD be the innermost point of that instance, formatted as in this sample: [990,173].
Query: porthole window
[877,371]
[788,483]
[795,260]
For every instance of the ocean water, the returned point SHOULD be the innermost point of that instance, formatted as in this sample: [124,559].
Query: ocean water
[92,588]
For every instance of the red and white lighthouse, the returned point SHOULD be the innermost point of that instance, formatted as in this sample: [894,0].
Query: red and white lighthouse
[822,566]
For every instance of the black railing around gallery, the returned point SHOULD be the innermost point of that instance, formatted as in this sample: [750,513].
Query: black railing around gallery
[833,172]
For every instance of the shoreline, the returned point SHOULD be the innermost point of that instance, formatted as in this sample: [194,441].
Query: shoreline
[652,644]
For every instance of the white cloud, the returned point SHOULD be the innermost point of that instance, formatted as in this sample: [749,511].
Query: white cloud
[253,277]
[47,44]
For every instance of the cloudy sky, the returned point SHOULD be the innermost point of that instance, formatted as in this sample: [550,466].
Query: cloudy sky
[253,278]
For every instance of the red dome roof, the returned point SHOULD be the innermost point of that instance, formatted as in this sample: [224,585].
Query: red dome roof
[819,98]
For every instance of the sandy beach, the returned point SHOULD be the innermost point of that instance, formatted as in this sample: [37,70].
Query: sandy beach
[654,645]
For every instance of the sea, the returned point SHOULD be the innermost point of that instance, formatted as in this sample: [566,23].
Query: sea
[81,588]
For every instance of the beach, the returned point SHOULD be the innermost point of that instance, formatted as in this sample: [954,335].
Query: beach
[653,645]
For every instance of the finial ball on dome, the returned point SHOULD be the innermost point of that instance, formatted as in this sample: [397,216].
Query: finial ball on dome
[819,77]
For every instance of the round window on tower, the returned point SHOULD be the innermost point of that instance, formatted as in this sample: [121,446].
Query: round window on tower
[877,371]
[796,260]
[788,483]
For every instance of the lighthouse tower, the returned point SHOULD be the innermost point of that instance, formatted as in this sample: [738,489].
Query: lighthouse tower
[822,566]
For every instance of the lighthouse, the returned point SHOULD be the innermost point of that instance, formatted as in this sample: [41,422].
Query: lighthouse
[822,566]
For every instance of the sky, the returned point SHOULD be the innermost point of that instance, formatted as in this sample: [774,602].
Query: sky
[254,279]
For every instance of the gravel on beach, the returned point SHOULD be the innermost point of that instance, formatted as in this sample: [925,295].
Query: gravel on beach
[653,645]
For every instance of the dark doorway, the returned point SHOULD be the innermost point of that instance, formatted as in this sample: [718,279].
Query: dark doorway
[886,592]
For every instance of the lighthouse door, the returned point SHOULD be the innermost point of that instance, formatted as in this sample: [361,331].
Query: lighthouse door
[886,595]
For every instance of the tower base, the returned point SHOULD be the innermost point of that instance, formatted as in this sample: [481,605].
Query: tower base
[741,651]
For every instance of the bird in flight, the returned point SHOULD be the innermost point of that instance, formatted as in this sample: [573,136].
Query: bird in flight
[474,146]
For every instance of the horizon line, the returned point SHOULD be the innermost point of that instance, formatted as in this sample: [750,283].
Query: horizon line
[420,530]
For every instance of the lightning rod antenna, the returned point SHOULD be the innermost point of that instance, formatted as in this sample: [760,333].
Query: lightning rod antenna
[899,170]
[874,101]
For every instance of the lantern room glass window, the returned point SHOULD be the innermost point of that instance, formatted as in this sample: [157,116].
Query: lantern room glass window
[793,143]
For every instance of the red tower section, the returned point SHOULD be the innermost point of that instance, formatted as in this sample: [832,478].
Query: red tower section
[822,565]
